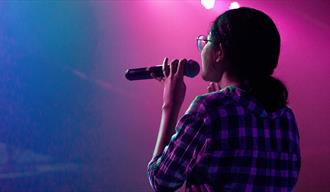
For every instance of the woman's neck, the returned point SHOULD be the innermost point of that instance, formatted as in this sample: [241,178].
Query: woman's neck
[228,81]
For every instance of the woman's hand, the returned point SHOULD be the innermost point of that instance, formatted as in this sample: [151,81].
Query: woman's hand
[174,86]
[173,96]
[213,86]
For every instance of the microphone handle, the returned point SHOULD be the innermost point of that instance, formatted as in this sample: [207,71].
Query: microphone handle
[191,69]
[144,73]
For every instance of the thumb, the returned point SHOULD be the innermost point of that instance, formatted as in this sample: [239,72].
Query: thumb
[155,77]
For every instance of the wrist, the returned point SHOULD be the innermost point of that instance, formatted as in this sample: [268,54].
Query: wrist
[171,107]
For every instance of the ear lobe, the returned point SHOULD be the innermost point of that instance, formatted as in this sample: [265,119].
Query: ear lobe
[220,54]
[218,59]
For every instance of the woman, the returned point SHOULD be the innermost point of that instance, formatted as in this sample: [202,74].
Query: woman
[242,137]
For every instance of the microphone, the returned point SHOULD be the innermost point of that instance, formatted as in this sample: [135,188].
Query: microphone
[191,69]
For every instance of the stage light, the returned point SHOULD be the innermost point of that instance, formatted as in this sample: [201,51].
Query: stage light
[208,4]
[234,5]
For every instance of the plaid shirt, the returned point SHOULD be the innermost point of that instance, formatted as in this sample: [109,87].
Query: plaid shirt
[226,141]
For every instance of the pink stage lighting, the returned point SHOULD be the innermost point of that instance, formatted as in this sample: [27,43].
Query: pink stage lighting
[234,5]
[208,4]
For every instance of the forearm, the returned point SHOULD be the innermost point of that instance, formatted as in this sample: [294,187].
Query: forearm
[167,128]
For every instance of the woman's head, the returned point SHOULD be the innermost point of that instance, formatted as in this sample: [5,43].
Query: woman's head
[244,43]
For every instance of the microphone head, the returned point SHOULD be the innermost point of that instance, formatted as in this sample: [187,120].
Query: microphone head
[191,68]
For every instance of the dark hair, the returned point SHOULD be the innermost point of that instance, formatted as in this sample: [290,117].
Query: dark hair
[251,43]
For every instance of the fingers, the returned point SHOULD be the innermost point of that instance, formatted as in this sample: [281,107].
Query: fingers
[218,86]
[174,66]
[213,86]
[209,90]
[180,69]
[166,67]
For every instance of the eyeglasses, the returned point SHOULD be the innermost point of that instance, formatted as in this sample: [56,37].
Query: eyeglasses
[201,42]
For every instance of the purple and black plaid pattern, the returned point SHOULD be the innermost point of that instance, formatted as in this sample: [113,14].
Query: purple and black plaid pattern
[226,141]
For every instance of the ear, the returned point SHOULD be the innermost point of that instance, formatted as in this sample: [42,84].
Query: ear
[220,54]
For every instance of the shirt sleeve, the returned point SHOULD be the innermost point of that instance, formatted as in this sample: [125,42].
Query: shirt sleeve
[168,170]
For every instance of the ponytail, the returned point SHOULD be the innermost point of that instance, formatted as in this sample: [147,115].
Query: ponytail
[269,91]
